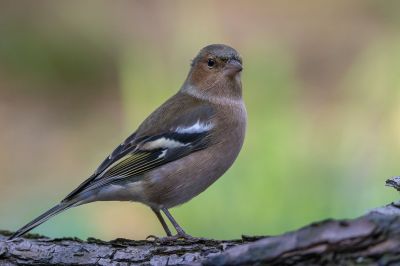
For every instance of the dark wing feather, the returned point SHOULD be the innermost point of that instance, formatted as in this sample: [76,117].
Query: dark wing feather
[136,162]
[139,161]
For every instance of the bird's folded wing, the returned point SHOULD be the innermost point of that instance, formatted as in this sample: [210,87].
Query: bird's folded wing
[151,152]
[160,139]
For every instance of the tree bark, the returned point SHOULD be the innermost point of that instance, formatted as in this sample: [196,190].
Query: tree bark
[372,239]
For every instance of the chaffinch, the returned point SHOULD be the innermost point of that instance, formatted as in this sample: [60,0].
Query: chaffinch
[179,150]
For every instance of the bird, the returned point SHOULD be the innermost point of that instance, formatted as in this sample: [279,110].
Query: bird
[179,150]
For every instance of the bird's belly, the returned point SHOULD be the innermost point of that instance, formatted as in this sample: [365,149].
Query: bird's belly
[181,180]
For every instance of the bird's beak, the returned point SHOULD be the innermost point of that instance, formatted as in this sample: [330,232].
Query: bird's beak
[233,66]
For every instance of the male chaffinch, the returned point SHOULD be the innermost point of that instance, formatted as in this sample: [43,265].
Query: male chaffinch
[179,150]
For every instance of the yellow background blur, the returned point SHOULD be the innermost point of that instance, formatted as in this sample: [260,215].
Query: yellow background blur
[321,83]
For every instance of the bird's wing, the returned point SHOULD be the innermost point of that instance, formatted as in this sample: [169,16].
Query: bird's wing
[124,148]
[140,153]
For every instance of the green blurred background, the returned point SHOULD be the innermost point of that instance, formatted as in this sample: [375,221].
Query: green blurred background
[321,84]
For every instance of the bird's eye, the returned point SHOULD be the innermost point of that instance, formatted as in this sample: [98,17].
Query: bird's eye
[211,63]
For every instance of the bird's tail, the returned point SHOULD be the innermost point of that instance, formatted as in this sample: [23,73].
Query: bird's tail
[43,218]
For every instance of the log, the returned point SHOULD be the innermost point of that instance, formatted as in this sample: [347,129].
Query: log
[372,239]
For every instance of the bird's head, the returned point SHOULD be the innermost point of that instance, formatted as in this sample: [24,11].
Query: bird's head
[216,71]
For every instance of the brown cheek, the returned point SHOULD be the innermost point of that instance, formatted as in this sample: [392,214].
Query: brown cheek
[199,76]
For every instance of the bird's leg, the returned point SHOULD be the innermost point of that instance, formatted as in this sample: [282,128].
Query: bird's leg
[169,238]
[163,223]
[179,230]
